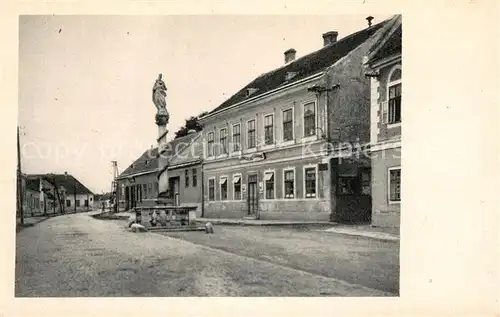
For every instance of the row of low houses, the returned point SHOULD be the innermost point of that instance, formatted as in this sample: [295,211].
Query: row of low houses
[316,139]
[52,193]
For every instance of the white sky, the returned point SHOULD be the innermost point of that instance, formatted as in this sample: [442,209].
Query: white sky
[85,92]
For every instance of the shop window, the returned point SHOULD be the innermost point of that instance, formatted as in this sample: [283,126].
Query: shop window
[395,184]
[310,182]
[289,184]
[237,187]
[223,188]
[269,184]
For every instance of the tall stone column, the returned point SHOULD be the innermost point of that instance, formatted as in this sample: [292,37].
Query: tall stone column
[161,120]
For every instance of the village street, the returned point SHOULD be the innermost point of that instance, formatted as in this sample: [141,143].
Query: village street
[77,255]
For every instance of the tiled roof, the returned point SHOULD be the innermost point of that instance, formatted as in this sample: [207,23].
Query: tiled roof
[177,145]
[189,154]
[148,161]
[70,183]
[389,42]
[303,67]
[392,46]
[33,184]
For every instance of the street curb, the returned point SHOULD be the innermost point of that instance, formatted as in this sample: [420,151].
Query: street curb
[265,224]
[368,236]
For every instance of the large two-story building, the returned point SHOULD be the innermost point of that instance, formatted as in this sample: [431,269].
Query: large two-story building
[280,147]
[383,63]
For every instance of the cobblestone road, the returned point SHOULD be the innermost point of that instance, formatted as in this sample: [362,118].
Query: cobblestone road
[77,255]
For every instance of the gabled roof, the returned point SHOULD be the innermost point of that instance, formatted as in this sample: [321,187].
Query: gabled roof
[176,145]
[303,67]
[70,183]
[146,163]
[193,153]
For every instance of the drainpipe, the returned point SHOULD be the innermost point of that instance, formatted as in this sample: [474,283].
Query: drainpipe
[202,191]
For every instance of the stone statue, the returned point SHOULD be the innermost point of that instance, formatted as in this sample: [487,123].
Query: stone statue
[160,102]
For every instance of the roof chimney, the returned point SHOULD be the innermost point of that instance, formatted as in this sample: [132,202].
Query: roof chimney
[330,37]
[369,19]
[290,55]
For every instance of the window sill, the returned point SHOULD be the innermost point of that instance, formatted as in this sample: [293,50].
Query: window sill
[394,202]
[252,150]
[286,143]
[236,153]
[268,146]
[222,155]
[393,125]
[309,138]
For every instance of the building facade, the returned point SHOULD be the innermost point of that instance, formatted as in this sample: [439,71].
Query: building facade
[138,184]
[31,194]
[185,173]
[385,64]
[75,196]
[279,148]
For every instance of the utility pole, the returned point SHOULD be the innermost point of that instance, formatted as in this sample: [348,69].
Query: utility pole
[114,186]
[19,180]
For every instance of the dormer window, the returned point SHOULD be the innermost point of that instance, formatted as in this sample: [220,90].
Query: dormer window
[146,162]
[251,91]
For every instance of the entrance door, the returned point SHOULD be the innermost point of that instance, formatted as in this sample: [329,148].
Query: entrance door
[127,198]
[174,189]
[132,196]
[252,195]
